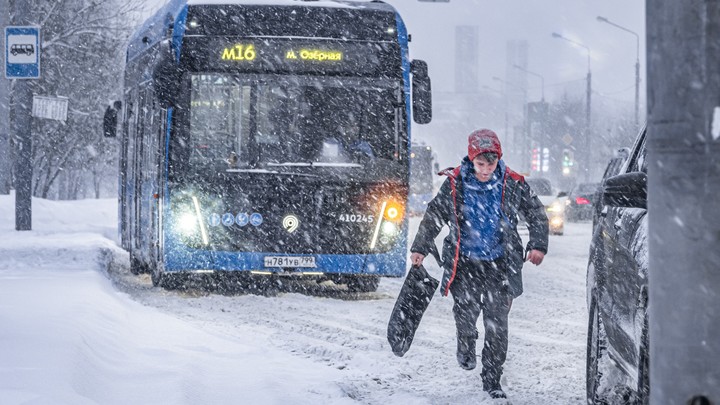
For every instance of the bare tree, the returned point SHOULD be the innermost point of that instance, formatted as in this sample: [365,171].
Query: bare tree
[83,44]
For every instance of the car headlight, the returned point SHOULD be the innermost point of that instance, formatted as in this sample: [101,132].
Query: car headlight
[556,207]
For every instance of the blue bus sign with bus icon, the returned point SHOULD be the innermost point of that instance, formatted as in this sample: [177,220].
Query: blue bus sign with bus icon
[22,52]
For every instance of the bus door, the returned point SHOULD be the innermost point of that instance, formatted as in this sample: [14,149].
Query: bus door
[123,173]
[131,172]
[161,157]
[148,181]
[138,197]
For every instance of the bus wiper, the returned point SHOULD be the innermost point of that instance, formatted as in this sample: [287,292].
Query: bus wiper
[266,171]
[316,164]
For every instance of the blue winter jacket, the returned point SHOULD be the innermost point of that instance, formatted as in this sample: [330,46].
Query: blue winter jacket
[481,231]
[446,208]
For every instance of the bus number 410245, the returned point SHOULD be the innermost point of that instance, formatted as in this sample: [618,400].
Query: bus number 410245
[356,218]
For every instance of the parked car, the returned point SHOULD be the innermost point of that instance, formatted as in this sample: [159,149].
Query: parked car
[554,203]
[617,283]
[613,167]
[581,202]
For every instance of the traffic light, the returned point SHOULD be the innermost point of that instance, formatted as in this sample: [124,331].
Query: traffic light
[535,160]
[567,161]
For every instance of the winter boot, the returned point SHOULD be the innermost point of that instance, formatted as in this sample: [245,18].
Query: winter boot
[493,388]
[466,352]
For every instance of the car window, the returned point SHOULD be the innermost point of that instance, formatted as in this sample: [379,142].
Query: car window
[639,163]
[540,186]
[615,165]
[586,187]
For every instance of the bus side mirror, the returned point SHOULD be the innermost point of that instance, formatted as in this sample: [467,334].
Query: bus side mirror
[110,120]
[167,77]
[421,92]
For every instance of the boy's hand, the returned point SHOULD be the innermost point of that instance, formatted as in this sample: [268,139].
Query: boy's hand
[416,259]
[535,257]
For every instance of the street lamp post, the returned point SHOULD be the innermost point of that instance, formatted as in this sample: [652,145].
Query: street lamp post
[539,116]
[525,152]
[637,67]
[587,109]
[506,134]
[542,79]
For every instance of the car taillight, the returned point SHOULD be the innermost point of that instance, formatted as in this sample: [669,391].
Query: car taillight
[581,201]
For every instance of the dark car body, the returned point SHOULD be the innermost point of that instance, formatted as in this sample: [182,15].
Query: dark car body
[613,167]
[581,202]
[617,274]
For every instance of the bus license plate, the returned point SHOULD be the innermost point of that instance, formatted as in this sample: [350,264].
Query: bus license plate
[290,261]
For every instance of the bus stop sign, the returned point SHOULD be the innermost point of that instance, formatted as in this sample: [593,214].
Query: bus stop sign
[22,52]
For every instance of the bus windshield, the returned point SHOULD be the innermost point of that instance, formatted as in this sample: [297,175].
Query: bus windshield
[263,121]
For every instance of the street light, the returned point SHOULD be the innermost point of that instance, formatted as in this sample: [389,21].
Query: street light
[525,141]
[538,115]
[504,95]
[542,79]
[637,67]
[589,97]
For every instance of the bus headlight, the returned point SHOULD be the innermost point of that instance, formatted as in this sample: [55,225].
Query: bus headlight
[190,220]
[389,229]
[187,224]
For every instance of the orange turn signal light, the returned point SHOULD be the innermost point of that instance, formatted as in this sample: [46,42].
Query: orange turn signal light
[394,211]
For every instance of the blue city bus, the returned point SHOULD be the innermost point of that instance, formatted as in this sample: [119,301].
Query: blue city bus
[268,139]
[422,175]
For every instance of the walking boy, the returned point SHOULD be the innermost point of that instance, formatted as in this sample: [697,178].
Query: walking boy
[483,254]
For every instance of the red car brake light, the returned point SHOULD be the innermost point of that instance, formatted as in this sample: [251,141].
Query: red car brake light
[581,201]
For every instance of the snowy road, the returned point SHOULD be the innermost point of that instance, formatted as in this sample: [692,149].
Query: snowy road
[347,332]
[77,328]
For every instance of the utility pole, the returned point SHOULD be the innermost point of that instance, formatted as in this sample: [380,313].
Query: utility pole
[5,155]
[684,187]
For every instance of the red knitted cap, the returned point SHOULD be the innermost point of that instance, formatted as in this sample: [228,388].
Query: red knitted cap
[482,141]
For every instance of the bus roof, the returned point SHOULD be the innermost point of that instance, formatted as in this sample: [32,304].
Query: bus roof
[156,27]
[304,3]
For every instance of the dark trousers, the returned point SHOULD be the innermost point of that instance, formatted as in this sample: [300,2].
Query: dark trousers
[481,286]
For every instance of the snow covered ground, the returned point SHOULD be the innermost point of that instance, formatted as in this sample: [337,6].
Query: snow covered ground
[77,328]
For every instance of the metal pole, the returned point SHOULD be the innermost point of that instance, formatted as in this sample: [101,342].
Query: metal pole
[22,99]
[525,153]
[637,66]
[683,193]
[588,125]
[541,140]
[22,130]
[542,79]
[5,155]
[637,95]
